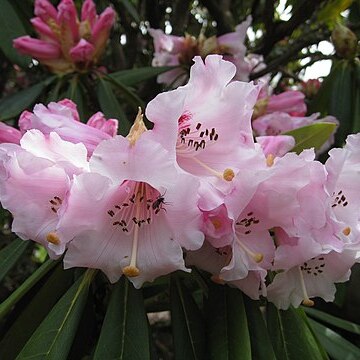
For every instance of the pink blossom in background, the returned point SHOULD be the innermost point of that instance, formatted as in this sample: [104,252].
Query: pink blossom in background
[63,118]
[173,50]
[65,43]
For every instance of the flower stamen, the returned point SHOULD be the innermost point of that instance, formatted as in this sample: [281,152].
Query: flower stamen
[307,301]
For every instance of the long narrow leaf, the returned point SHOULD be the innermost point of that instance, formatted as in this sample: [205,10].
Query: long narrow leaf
[309,136]
[187,323]
[337,347]
[290,335]
[333,320]
[135,76]
[110,105]
[125,332]
[7,304]
[53,338]
[10,254]
[261,347]
[13,105]
[11,28]
[34,312]
[227,326]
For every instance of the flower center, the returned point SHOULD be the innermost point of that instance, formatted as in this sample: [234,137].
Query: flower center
[245,227]
[55,204]
[137,209]
[193,139]
[339,200]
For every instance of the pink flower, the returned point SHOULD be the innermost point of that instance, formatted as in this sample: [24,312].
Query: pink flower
[8,134]
[280,122]
[343,186]
[205,121]
[135,217]
[67,44]
[34,181]
[314,277]
[290,102]
[62,118]
[178,50]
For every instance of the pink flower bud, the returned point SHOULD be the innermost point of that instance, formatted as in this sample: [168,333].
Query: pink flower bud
[45,10]
[25,121]
[82,52]
[88,12]
[99,122]
[68,19]
[291,102]
[39,49]
[72,106]
[8,134]
[101,30]
[44,30]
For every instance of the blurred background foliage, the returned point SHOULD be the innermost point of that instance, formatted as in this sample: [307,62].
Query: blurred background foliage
[92,315]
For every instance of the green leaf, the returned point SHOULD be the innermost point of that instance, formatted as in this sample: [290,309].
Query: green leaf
[261,347]
[134,76]
[291,337]
[10,254]
[333,320]
[33,312]
[125,333]
[53,338]
[187,323]
[337,347]
[11,106]
[127,93]
[227,325]
[11,28]
[131,10]
[75,93]
[111,107]
[8,303]
[314,135]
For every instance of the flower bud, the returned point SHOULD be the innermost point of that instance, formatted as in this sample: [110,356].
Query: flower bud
[345,41]
[88,12]
[45,10]
[43,29]
[39,49]
[99,122]
[8,134]
[82,52]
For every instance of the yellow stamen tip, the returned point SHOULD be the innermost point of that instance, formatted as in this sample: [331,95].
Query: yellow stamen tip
[308,302]
[228,174]
[346,231]
[131,271]
[217,280]
[270,160]
[258,257]
[217,223]
[52,238]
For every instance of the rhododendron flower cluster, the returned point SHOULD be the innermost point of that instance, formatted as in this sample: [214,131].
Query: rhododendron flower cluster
[196,190]
[278,114]
[67,43]
[173,50]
